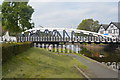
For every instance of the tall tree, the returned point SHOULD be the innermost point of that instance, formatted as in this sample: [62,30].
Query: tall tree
[16,16]
[89,24]
[0,18]
[0,15]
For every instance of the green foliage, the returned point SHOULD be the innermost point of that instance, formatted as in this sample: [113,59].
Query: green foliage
[0,16]
[16,16]
[85,52]
[11,49]
[89,25]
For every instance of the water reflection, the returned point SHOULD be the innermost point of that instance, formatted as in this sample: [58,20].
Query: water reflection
[61,48]
[104,53]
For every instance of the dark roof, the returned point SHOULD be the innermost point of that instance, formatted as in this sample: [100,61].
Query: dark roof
[116,23]
[104,26]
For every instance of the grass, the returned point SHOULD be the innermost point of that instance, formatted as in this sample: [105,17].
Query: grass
[40,63]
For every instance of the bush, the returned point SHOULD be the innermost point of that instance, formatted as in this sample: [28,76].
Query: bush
[12,49]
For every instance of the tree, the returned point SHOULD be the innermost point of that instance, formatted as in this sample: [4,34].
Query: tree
[0,22]
[89,25]
[0,16]
[16,16]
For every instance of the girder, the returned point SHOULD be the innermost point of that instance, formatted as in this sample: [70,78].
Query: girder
[53,34]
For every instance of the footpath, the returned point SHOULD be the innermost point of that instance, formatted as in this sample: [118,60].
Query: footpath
[96,70]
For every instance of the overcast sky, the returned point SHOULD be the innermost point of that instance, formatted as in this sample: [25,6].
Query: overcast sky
[69,13]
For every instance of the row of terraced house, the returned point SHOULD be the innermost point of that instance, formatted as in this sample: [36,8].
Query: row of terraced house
[112,29]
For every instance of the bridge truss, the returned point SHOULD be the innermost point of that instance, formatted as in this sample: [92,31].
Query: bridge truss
[65,35]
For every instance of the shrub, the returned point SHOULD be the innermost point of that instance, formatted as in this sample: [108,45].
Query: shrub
[11,49]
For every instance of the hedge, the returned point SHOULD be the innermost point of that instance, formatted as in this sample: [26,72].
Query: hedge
[11,49]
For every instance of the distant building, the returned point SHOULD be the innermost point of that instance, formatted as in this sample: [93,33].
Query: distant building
[112,29]
[7,38]
[102,29]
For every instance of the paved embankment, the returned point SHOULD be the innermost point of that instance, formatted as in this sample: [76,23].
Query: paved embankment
[98,70]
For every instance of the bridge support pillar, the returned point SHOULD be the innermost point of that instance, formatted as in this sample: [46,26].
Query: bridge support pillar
[65,48]
[70,48]
[45,46]
[61,48]
[78,48]
[42,45]
[38,45]
[57,48]
[34,44]
[53,47]
[74,48]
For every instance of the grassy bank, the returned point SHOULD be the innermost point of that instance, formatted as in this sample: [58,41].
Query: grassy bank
[39,63]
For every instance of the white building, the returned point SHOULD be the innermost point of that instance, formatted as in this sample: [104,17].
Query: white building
[102,29]
[112,29]
[7,38]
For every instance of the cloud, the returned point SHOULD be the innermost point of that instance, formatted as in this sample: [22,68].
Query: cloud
[65,14]
[74,0]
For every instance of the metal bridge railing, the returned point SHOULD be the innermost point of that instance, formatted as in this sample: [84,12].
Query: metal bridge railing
[78,39]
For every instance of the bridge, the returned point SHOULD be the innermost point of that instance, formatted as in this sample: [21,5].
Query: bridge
[65,35]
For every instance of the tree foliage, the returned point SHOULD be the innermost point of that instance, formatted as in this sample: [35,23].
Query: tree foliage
[0,15]
[89,25]
[16,16]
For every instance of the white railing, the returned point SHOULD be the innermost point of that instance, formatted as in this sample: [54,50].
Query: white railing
[78,39]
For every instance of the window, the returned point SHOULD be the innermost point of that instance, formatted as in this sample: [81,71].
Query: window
[117,31]
[101,32]
[109,31]
[114,31]
[112,26]
[101,27]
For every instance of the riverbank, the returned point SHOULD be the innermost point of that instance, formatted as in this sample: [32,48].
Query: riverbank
[101,50]
[99,47]
[40,63]
[108,54]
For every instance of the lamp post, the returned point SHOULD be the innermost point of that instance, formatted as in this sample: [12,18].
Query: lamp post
[41,26]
